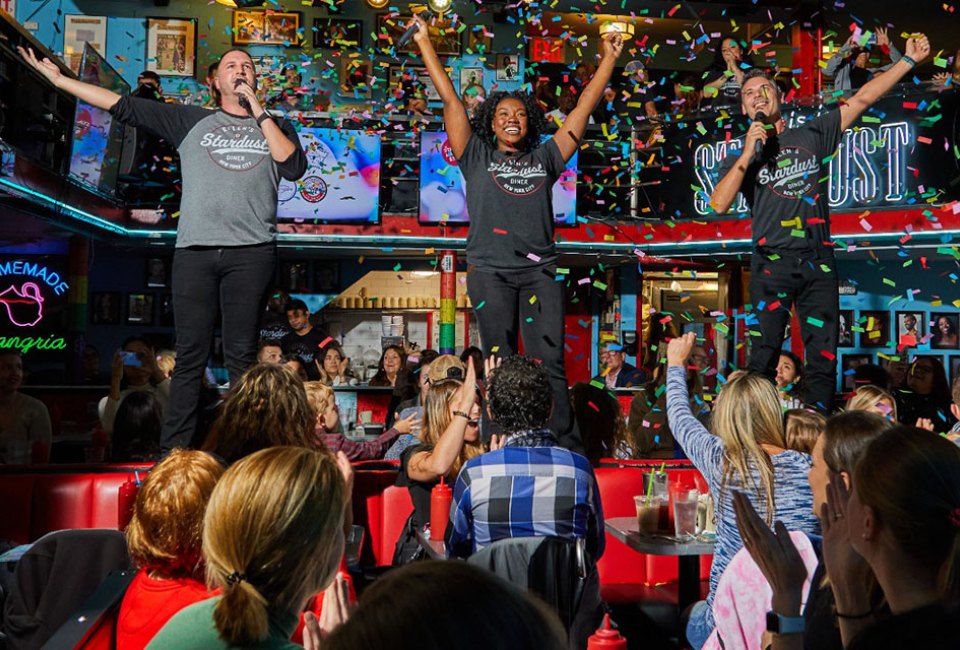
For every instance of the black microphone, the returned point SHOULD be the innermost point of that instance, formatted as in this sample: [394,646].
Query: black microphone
[426,14]
[244,102]
[762,118]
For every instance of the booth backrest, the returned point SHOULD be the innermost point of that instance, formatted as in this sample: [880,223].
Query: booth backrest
[38,500]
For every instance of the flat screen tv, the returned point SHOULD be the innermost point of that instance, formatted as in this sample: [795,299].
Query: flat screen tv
[442,188]
[342,182]
[97,137]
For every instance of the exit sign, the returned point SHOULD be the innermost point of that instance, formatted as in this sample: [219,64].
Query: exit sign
[546,49]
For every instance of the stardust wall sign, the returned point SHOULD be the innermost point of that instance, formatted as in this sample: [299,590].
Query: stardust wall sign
[903,153]
[33,296]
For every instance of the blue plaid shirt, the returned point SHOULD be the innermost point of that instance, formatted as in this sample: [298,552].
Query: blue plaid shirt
[530,488]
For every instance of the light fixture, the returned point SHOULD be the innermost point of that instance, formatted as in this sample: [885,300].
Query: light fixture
[439,6]
[621,26]
[378,4]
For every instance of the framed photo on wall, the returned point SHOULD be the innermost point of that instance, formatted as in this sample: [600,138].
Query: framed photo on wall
[157,272]
[910,328]
[172,46]
[508,67]
[355,76]
[479,40]
[845,334]
[471,77]
[326,277]
[943,326]
[105,308]
[405,74]
[444,36]
[78,30]
[266,28]
[848,366]
[337,33]
[140,309]
[876,329]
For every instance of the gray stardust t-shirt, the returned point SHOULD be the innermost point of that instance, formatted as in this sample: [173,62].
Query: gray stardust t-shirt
[229,177]
[509,199]
[786,188]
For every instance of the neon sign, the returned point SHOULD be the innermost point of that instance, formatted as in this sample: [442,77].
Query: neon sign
[869,169]
[32,299]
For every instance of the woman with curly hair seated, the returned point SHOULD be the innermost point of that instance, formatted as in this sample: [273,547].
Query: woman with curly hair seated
[509,177]
[164,539]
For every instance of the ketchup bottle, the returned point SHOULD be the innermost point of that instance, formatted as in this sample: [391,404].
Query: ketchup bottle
[440,499]
[606,638]
[127,497]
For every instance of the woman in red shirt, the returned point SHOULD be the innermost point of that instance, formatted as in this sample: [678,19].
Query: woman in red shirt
[164,540]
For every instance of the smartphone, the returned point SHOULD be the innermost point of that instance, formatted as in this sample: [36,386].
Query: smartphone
[131,359]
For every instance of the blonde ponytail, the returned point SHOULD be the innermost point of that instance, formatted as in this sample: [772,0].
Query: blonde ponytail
[241,615]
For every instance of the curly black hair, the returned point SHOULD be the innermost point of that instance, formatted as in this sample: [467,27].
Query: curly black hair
[482,122]
[519,395]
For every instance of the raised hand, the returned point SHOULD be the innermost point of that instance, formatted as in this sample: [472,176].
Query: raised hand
[612,44]
[918,47]
[468,392]
[407,424]
[774,553]
[678,350]
[46,67]
[421,37]
[845,567]
[883,40]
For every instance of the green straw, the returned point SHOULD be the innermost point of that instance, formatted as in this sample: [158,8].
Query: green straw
[650,483]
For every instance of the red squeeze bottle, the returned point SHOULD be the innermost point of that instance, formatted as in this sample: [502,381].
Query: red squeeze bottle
[440,499]
[126,498]
[606,638]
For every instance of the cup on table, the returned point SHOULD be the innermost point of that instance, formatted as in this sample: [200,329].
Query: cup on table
[685,503]
[652,514]
[657,485]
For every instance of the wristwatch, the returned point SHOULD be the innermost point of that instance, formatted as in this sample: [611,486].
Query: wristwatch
[779,624]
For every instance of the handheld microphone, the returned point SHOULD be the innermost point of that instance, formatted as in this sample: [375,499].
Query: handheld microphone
[426,14]
[762,118]
[244,102]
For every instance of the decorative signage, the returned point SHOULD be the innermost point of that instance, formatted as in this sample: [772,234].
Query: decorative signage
[33,294]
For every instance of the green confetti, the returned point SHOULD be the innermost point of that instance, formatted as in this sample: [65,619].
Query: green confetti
[816,322]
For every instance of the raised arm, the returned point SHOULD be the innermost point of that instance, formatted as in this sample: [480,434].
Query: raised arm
[570,134]
[918,48]
[839,57]
[93,95]
[702,447]
[454,114]
[725,193]
[427,466]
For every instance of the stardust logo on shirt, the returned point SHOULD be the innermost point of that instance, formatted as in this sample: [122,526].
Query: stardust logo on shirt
[793,174]
[516,178]
[236,148]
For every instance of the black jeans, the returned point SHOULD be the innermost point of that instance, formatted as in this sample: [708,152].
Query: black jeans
[810,281]
[207,283]
[505,297]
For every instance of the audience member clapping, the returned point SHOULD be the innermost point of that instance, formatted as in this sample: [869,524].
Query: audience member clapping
[747,453]
[900,523]
[505,618]
[164,539]
[724,76]
[267,408]
[272,538]
[335,367]
[926,400]
[134,369]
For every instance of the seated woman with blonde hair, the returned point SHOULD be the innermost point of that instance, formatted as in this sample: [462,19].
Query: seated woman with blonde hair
[164,539]
[875,400]
[272,538]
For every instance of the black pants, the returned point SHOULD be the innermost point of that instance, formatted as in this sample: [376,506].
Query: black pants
[810,281]
[208,283]
[507,311]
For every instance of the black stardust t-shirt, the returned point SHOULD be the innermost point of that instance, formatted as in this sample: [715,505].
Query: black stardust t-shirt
[509,198]
[786,187]
[307,347]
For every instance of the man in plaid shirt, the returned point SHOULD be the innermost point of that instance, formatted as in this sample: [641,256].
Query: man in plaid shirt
[527,485]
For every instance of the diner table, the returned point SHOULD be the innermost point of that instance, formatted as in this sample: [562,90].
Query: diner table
[688,553]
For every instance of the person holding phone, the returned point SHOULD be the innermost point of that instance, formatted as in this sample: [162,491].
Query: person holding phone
[134,369]
[232,161]
[510,245]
